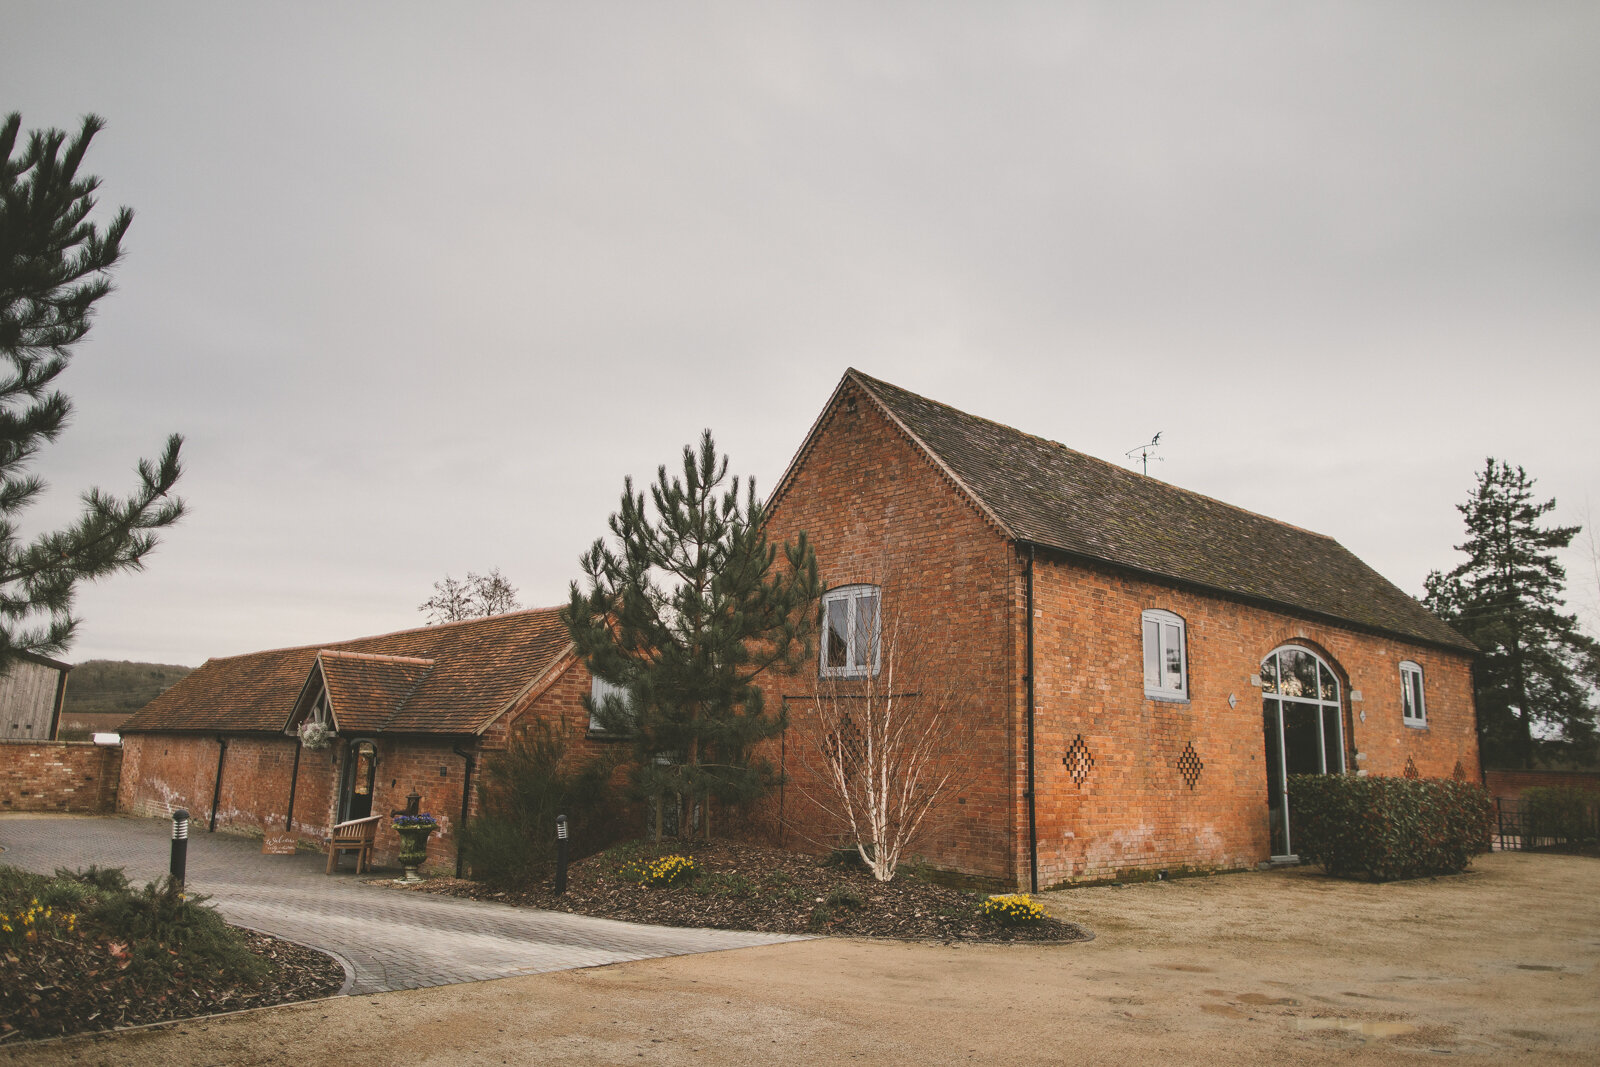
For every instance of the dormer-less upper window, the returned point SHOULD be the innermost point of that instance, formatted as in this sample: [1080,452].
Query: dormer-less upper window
[1166,663]
[1413,708]
[850,631]
[599,691]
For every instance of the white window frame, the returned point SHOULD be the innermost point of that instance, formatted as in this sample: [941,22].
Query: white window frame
[1413,702]
[852,595]
[1162,620]
[599,689]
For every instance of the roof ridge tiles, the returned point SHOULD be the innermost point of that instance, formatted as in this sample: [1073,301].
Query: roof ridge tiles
[374,657]
[869,382]
[318,646]
[1040,492]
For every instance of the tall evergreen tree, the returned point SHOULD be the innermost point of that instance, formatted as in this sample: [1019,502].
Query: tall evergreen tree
[54,266]
[1536,681]
[684,611]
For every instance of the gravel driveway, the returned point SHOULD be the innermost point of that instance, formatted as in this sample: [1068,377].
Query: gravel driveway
[386,940]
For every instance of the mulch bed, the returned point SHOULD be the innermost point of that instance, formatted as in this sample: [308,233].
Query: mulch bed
[746,887]
[51,987]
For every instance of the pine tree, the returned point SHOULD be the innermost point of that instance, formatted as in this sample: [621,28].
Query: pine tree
[684,612]
[1535,683]
[54,267]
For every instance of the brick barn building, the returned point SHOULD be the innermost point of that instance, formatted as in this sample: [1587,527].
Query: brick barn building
[1142,664]
[414,710]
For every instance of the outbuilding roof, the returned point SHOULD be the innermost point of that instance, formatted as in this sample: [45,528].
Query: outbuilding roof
[454,678]
[1043,493]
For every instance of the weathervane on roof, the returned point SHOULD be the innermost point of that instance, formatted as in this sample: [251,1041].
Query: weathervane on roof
[1143,453]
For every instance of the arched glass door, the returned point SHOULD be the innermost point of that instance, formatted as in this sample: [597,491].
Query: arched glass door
[1304,728]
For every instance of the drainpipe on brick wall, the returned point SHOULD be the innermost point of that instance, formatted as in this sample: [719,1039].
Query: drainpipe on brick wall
[466,803]
[294,780]
[1033,819]
[216,791]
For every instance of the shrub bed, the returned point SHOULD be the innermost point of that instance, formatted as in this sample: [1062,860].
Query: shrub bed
[747,887]
[1389,828]
[86,951]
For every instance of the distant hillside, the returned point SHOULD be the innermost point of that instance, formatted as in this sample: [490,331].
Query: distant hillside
[104,687]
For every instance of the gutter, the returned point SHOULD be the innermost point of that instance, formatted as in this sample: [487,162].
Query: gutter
[1033,815]
[466,803]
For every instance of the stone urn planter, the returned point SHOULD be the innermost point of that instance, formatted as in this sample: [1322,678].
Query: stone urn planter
[414,831]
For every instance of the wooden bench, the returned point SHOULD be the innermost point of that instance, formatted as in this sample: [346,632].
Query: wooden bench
[353,836]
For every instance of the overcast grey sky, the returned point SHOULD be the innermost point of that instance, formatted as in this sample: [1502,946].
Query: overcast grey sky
[422,282]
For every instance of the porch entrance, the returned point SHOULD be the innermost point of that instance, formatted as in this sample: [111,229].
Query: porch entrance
[355,792]
[1303,723]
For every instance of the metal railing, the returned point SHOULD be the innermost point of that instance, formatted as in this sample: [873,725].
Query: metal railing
[1519,830]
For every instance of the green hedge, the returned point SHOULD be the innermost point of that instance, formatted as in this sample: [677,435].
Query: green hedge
[1563,813]
[1388,828]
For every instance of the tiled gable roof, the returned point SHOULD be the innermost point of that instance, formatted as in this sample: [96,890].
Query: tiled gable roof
[365,690]
[1047,494]
[376,684]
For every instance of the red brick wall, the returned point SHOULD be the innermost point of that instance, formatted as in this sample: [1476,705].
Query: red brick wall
[559,702]
[436,773]
[58,776]
[162,772]
[878,512]
[1134,811]
[1510,784]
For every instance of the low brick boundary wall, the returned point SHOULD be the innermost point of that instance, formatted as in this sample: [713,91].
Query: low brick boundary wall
[1510,784]
[75,776]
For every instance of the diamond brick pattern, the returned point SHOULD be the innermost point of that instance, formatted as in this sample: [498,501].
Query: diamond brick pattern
[1079,760]
[1189,765]
[846,741]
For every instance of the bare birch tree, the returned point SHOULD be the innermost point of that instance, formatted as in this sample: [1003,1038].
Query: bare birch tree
[880,751]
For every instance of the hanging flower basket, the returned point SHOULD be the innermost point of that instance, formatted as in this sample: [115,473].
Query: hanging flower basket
[314,734]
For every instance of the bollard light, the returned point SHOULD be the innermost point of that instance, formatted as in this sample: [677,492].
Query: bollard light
[561,854]
[176,869]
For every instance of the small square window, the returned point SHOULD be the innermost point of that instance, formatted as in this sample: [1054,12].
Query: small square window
[1413,707]
[851,627]
[1166,661]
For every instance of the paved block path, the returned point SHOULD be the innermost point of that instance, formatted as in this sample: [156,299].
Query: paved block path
[386,939]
